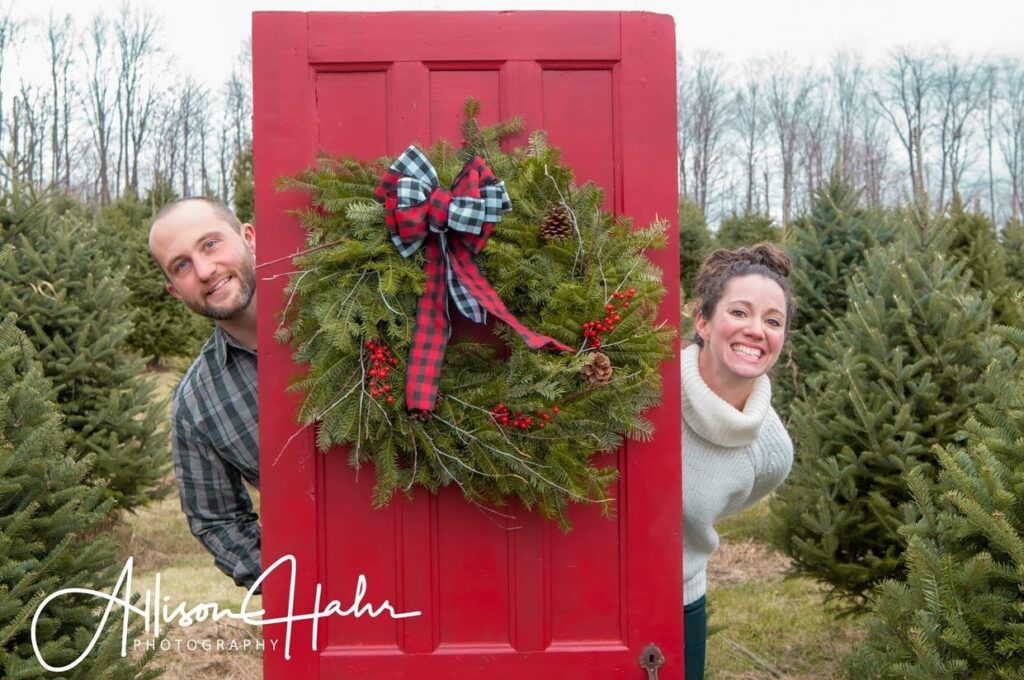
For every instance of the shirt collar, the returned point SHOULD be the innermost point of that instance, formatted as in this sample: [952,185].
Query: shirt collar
[222,341]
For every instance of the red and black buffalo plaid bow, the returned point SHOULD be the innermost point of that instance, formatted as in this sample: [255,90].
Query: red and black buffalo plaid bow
[460,221]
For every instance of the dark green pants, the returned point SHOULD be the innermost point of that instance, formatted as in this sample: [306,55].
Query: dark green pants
[695,638]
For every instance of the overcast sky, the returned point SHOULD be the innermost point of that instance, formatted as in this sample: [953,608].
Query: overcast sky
[203,37]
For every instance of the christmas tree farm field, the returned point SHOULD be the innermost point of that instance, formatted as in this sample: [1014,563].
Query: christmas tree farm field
[762,623]
[158,539]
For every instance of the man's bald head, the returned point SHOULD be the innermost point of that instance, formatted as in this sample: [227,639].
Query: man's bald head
[191,203]
[207,257]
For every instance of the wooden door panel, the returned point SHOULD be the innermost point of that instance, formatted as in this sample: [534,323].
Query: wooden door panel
[506,594]
[447,94]
[360,37]
[571,96]
[371,538]
[351,108]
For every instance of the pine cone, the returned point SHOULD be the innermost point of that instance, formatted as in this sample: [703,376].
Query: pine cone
[597,371]
[557,223]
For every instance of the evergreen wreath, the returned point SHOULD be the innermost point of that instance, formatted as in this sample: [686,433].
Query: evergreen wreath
[509,421]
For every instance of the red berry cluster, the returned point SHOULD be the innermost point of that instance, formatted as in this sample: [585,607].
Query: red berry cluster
[593,330]
[504,418]
[383,362]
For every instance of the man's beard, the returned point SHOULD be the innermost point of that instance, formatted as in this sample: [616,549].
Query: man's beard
[247,289]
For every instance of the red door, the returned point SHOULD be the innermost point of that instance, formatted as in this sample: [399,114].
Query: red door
[514,601]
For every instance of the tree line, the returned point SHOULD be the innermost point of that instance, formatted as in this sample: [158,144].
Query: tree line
[923,126]
[106,122]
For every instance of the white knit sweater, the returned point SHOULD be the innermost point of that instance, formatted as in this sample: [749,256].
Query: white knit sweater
[731,459]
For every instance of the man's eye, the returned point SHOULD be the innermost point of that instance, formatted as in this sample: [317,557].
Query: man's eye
[180,266]
[209,244]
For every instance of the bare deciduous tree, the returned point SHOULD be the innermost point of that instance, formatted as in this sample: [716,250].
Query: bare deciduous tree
[136,45]
[683,106]
[958,98]
[60,37]
[27,132]
[99,100]
[10,30]
[787,102]
[1012,144]
[236,134]
[990,96]
[750,122]
[903,97]
[847,86]
[815,133]
[709,114]
[165,137]
[874,153]
[193,121]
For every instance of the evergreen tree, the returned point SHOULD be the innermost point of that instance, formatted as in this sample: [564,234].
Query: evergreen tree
[898,376]
[243,186]
[162,326]
[827,246]
[74,308]
[959,614]
[48,540]
[694,242]
[1013,248]
[161,193]
[746,230]
[974,240]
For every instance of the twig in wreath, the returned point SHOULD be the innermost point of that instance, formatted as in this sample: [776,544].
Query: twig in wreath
[300,253]
[532,471]
[463,433]
[313,421]
[572,218]
[384,298]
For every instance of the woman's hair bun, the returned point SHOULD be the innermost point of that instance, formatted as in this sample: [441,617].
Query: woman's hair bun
[769,255]
[720,262]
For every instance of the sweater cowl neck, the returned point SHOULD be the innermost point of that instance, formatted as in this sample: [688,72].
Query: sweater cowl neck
[712,417]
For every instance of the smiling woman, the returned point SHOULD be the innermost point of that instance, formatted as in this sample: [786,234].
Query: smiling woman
[735,448]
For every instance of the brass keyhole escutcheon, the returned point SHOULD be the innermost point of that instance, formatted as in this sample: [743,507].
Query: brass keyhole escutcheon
[651,660]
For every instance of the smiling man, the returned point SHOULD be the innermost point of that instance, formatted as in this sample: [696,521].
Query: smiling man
[209,260]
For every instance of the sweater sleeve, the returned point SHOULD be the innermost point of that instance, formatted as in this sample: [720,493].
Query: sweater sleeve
[774,449]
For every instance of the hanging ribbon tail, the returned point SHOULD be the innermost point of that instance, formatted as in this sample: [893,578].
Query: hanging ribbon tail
[466,271]
[430,337]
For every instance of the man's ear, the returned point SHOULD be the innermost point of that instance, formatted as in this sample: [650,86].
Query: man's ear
[249,236]
[172,290]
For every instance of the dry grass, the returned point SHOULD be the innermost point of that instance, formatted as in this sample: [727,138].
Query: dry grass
[744,561]
[158,539]
[770,625]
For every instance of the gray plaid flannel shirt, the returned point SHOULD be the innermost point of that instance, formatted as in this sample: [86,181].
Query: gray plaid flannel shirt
[215,445]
